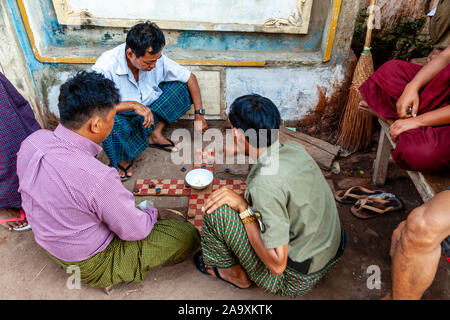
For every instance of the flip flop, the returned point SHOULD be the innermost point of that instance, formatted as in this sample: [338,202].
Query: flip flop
[126,177]
[21,219]
[372,207]
[200,264]
[164,146]
[353,194]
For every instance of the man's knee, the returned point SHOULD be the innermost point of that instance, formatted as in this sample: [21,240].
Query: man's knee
[413,155]
[221,213]
[421,231]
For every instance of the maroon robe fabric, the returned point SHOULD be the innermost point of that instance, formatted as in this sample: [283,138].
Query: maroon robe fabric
[422,149]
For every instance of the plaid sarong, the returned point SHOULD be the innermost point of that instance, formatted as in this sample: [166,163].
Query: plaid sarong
[225,243]
[129,138]
[17,123]
[129,261]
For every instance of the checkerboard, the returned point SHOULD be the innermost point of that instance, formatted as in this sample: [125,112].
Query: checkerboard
[169,187]
[204,159]
[177,187]
[198,198]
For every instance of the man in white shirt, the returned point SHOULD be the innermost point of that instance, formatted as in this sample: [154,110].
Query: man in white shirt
[154,91]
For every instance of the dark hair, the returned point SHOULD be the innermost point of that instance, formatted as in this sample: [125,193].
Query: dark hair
[255,112]
[144,36]
[85,94]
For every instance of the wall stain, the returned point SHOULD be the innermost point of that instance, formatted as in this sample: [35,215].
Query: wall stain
[323,120]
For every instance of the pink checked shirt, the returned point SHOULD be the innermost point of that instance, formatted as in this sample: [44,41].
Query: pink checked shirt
[74,203]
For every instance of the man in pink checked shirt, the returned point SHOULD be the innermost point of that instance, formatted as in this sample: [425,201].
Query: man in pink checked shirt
[78,209]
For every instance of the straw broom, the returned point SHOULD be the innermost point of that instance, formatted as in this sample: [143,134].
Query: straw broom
[356,126]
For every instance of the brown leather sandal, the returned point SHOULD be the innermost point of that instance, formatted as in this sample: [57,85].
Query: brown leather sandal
[372,207]
[350,196]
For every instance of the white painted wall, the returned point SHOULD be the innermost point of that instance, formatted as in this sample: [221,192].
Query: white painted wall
[293,90]
[53,92]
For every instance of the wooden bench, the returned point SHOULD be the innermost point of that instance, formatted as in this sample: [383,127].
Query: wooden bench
[428,185]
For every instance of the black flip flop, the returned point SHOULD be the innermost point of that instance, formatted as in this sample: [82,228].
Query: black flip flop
[125,170]
[200,264]
[163,146]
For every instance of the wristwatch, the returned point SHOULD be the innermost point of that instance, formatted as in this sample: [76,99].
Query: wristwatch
[247,213]
[200,111]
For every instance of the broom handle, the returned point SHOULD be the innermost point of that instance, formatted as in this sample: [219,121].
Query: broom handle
[369,30]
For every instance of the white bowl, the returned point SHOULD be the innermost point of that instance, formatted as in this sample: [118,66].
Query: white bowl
[199,178]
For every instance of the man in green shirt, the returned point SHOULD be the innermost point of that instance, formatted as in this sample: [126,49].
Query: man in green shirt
[284,234]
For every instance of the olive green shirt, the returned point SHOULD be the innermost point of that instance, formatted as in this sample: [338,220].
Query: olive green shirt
[296,204]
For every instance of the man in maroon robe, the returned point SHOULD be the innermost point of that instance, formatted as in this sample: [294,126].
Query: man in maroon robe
[414,100]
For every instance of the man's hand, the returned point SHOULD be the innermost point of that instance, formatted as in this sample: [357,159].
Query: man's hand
[200,123]
[402,125]
[408,99]
[145,112]
[225,196]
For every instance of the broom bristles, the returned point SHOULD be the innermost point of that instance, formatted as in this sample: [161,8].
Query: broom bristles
[356,126]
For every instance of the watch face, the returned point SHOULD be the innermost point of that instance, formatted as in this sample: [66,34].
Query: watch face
[201,111]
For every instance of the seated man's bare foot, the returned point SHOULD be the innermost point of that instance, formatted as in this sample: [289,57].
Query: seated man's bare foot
[123,171]
[11,213]
[158,139]
[363,103]
[363,106]
[236,275]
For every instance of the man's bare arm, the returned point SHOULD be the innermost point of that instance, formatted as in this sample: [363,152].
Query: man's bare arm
[410,96]
[139,108]
[274,259]
[194,90]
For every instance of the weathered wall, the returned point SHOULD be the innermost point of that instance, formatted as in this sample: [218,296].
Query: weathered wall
[13,63]
[392,11]
[288,68]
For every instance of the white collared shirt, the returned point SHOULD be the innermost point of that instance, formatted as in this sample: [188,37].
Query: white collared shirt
[113,65]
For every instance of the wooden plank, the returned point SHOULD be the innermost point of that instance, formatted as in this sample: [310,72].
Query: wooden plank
[325,146]
[382,160]
[437,181]
[322,152]
[424,189]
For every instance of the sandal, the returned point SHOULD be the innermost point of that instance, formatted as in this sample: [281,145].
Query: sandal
[21,219]
[125,170]
[200,264]
[353,194]
[371,207]
[164,146]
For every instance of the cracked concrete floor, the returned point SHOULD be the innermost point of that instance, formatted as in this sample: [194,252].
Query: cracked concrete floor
[26,272]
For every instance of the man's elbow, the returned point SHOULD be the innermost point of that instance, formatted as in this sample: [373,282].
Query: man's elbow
[192,78]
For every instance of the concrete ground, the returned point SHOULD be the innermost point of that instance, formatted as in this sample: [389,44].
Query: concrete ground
[28,273]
